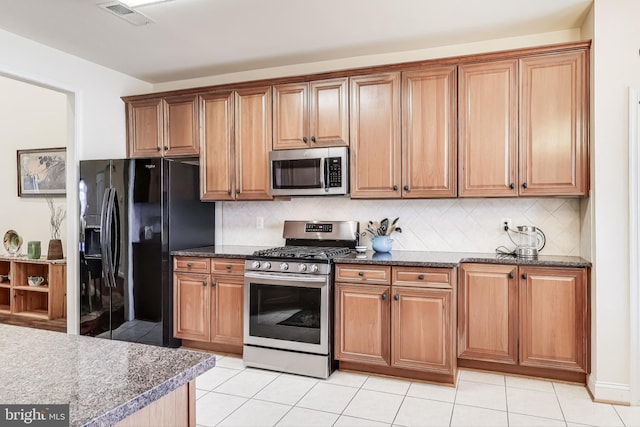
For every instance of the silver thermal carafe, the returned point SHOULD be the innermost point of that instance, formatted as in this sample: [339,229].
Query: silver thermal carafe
[529,241]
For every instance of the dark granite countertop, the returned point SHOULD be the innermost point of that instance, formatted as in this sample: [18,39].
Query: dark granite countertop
[102,381]
[224,251]
[406,258]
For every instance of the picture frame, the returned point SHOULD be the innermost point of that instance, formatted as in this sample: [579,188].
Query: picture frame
[42,172]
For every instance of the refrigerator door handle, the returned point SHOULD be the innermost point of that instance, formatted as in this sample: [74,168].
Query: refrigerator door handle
[104,235]
[108,241]
[115,244]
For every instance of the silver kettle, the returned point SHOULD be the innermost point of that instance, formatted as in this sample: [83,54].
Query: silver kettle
[529,241]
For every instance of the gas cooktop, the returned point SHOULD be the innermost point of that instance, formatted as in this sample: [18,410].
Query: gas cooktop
[303,252]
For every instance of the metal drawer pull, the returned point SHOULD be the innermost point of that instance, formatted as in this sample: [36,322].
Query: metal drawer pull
[396,297]
[511,275]
[421,277]
[189,264]
[228,266]
[524,275]
[384,296]
[360,273]
[204,283]
[213,283]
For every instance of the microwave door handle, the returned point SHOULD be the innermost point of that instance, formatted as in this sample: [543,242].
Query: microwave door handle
[325,169]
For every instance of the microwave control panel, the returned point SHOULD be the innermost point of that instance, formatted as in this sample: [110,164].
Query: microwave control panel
[335,172]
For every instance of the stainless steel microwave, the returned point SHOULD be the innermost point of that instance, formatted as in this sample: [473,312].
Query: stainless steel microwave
[309,172]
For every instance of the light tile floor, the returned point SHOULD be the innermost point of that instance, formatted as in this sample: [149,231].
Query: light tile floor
[232,395]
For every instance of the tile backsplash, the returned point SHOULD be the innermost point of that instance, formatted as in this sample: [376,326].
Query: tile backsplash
[449,225]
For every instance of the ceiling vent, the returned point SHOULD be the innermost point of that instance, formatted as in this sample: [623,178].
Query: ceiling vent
[123,11]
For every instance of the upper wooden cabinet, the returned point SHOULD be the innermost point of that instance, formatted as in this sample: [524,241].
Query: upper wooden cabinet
[236,140]
[487,109]
[311,114]
[553,125]
[163,127]
[429,119]
[523,126]
[375,136]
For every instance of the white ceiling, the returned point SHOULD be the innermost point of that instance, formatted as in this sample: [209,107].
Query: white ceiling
[197,38]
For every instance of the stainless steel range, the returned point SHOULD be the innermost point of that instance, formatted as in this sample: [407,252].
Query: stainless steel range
[288,298]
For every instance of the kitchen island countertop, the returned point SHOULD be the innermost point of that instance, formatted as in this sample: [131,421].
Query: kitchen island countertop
[403,258]
[103,381]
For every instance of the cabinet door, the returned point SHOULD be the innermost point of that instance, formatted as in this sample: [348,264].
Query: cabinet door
[181,134]
[227,310]
[488,313]
[488,112]
[429,161]
[290,116]
[553,125]
[553,318]
[191,306]
[362,323]
[423,329]
[217,166]
[145,128]
[252,143]
[375,136]
[329,113]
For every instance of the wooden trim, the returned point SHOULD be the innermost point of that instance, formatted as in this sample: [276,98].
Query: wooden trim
[453,60]
[398,372]
[554,374]
[213,347]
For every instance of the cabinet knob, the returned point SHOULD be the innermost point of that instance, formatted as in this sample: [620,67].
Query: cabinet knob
[237,191]
[229,191]
[421,277]
[406,188]
[158,148]
[384,296]
[524,185]
[189,264]
[511,275]
[360,273]
[396,297]
[228,266]
[524,275]
[512,186]
[204,283]
[166,148]
[304,139]
[313,139]
[395,188]
[213,283]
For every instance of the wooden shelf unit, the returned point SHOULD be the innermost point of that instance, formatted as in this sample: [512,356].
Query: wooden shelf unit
[46,301]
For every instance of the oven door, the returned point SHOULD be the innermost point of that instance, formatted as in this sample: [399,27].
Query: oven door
[287,311]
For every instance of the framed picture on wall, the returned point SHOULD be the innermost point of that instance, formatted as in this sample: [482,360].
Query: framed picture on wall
[42,172]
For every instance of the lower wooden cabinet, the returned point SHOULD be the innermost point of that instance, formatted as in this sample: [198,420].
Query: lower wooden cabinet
[525,316]
[396,329]
[208,303]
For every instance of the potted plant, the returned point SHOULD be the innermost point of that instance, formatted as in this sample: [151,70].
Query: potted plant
[58,213]
[380,232]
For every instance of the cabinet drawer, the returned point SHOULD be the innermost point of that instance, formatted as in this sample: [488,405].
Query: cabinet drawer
[231,267]
[422,277]
[191,264]
[363,274]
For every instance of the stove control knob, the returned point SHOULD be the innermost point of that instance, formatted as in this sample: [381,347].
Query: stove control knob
[314,268]
[284,266]
[266,265]
[302,267]
[256,264]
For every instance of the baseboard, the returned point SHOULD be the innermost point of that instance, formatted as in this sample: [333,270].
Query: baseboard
[608,392]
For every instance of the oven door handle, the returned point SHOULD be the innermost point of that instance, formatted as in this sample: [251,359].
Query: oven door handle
[292,277]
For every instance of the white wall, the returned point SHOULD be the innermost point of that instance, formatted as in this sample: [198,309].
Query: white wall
[616,67]
[30,117]
[95,125]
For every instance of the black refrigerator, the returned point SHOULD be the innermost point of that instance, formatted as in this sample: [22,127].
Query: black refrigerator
[133,213]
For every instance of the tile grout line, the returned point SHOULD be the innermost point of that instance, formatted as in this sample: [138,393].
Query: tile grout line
[618,414]
[559,404]
[296,402]
[455,396]
[404,397]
